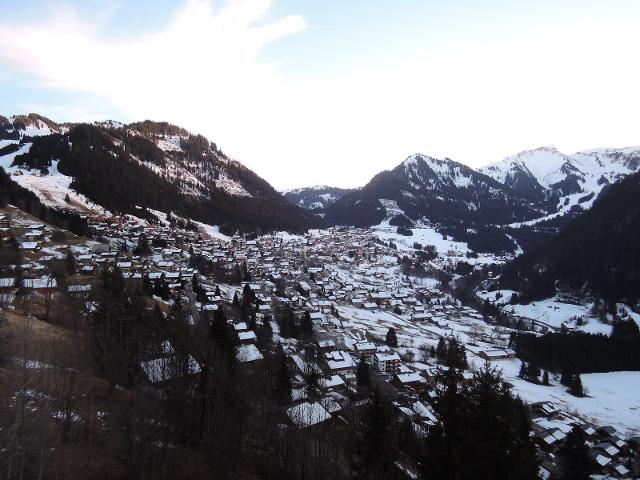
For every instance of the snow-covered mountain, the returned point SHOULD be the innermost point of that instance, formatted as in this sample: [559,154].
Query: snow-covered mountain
[316,198]
[564,181]
[462,201]
[132,168]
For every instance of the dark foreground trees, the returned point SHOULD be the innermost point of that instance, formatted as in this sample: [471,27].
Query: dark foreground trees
[484,431]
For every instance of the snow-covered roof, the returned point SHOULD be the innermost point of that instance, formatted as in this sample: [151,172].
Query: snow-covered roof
[248,353]
[306,414]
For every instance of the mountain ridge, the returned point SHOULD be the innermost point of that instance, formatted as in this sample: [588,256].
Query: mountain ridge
[140,166]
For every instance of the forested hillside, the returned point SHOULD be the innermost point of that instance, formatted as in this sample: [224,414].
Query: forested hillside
[596,252]
[127,169]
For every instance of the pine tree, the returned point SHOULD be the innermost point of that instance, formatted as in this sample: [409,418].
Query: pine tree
[575,388]
[441,349]
[523,370]
[565,377]
[363,376]
[70,263]
[282,385]
[573,457]
[545,378]
[246,276]
[143,247]
[392,339]
[312,380]
[306,325]
[236,302]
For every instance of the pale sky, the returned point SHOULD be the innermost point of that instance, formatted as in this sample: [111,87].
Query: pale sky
[334,91]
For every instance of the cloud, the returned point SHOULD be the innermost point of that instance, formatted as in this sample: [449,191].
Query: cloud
[472,97]
[202,70]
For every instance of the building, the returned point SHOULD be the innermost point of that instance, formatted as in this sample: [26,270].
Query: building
[387,363]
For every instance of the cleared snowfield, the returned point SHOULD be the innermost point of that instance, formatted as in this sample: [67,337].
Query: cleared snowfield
[613,397]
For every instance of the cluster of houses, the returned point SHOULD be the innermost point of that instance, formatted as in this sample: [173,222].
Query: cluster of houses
[613,455]
[306,274]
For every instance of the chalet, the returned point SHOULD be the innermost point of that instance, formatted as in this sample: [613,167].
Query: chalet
[7,285]
[29,246]
[248,354]
[340,362]
[365,350]
[306,414]
[247,337]
[548,439]
[79,289]
[497,354]
[326,345]
[169,367]
[411,380]
[304,288]
[42,284]
[387,363]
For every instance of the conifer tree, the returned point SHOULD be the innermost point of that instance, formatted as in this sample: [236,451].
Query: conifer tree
[392,339]
[282,385]
[575,388]
[363,376]
[306,325]
[573,457]
[441,350]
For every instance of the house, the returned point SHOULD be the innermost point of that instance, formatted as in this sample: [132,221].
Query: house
[169,367]
[411,380]
[7,285]
[365,350]
[304,288]
[248,353]
[497,354]
[43,284]
[340,362]
[387,363]
[326,345]
[306,414]
[247,337]
[29,246]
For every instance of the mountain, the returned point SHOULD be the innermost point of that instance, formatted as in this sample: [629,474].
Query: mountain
[461,201]
[137,167]
[560,182]
[317,198]
[596,252]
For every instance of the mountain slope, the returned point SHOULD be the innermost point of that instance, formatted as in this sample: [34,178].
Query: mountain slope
[563,181]
[317,198]
[463,202]
[597,252]
[131,168]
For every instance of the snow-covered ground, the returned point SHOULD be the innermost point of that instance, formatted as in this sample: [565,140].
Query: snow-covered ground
[613,398]
[53,188]
[425,235]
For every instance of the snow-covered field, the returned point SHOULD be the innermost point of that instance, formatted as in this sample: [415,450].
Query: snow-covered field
[448,249]
[53,188]
[613,397]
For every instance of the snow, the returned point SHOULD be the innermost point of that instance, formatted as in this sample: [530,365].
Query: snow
[428,235]
[550,312]
[51,188]
[213,231]
[307,414]
[248,353]
[613,397]
[446,170]
[162,369]
[549,166]
[499,297]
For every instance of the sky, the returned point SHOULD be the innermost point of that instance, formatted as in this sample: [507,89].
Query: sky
[312,92]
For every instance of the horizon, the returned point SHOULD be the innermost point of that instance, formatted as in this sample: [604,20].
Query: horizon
[298,92]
